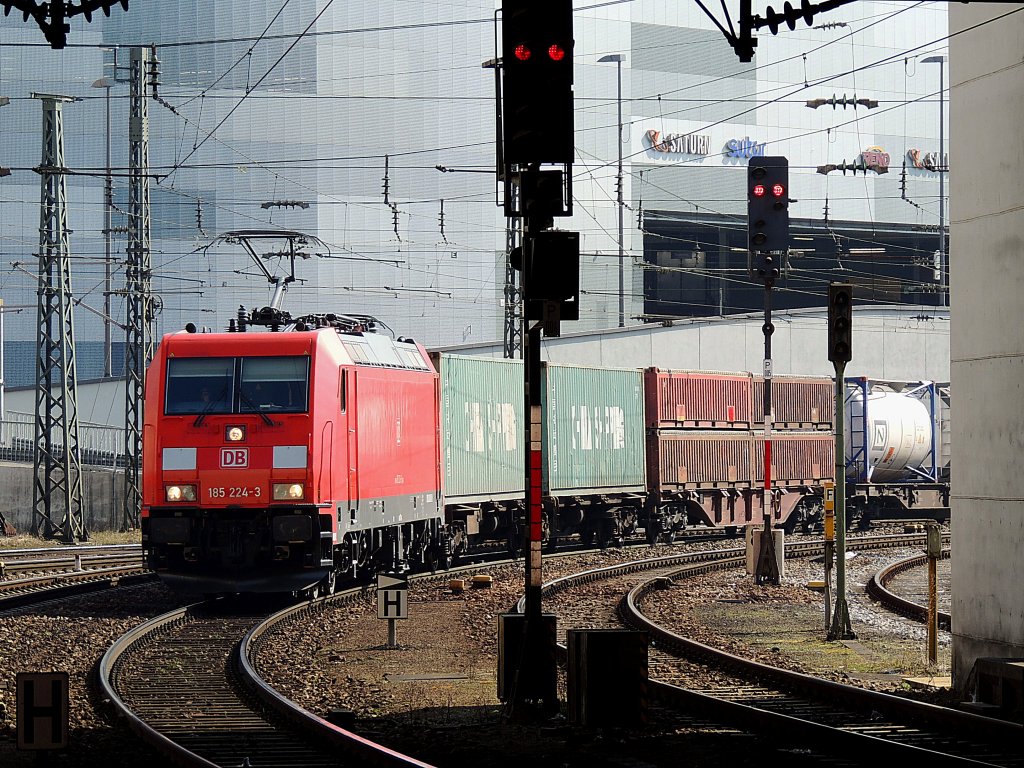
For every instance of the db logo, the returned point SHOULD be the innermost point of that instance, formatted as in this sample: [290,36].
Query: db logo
[231,458]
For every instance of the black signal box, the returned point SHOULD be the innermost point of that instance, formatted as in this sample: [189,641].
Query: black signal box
[537,67]
[840,322]
[767,206]
[550,261]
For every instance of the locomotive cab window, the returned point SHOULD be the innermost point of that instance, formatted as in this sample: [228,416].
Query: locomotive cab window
[273,384]
[222,385]
[199,385]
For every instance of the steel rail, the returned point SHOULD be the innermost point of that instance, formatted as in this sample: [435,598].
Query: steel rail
[359,749]
[877,589]
[720,558]
[65,564]
[747,717]
[16,594]
[945,721]
[109,663]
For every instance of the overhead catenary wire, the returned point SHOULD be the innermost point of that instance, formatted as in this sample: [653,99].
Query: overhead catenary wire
[329,203]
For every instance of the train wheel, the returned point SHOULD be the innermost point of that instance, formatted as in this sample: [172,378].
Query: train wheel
[436,559]
[343,556]
[329,584]
[514,542]
[547,535]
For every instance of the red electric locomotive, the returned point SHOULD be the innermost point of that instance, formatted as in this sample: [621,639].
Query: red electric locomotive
[273,461]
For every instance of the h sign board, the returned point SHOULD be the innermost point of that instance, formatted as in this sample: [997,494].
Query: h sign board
[42,710]
[392,597]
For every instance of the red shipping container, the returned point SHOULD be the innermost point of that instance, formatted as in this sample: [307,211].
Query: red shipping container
[798,458]
[697,400]
[798,402]
[688,460]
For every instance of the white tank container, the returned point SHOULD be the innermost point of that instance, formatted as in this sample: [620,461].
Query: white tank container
[888,434]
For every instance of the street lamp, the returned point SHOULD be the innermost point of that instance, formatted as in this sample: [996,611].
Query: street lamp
[4,101]
[618,58]
[943,266]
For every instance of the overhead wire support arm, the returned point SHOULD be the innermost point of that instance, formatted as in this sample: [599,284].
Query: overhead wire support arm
[744,42]
[52,16]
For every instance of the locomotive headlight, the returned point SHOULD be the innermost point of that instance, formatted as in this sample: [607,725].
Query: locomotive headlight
[181,493]
[288,491]
[235,434]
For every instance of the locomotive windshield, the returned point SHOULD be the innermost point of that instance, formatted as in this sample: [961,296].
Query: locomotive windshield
[220,385]
[273,384]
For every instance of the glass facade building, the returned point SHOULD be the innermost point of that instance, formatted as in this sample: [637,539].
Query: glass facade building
[370,127]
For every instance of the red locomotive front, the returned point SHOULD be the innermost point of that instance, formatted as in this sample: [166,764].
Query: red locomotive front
[274,460]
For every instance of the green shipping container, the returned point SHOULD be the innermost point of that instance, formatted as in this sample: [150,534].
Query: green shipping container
[482,428]
[593,430]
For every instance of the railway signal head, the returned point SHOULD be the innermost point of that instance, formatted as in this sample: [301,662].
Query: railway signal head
[537,98]
[840,322]
[768,206]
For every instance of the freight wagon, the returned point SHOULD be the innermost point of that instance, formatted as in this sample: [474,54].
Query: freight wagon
[705,449]
[593,469]
[897,449]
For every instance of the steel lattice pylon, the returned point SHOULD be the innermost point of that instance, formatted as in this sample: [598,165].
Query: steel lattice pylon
[513,295]
[56,457]
[139,315]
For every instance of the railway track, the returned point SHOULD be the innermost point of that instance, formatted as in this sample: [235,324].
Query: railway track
[29,576]
[877,588]
[214,706]
[187,684]
[177,682]
[18,563]
[832,718]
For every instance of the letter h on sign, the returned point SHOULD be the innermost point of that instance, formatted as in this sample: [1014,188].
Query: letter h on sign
[392,604]
[392,597]
[42,710]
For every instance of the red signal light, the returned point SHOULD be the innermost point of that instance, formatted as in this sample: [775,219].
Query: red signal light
[522,52]
[556,52]
[778,190]
[758,190]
